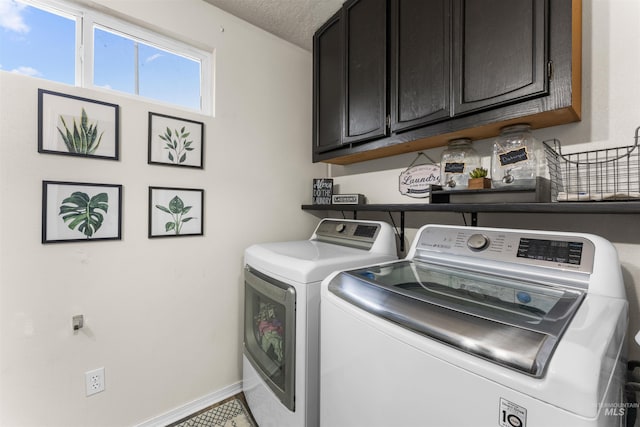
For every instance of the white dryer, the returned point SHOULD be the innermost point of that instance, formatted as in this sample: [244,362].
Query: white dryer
[477,327]
[281,314]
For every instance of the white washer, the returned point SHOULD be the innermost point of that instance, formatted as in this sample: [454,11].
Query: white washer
[477,327]
[282,299]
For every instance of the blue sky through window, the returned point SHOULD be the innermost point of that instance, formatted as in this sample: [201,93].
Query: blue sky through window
[41,44]
[169,77]
[36,43]
[110,49]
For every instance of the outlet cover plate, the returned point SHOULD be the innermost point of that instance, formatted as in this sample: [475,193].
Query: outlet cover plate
[94,381]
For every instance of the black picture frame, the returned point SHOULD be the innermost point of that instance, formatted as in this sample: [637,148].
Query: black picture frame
[65,205]
[74,126]
[174,141]
[176,212]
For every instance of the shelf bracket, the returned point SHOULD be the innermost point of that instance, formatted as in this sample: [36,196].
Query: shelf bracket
[355,215]
[402,232]
[474,219]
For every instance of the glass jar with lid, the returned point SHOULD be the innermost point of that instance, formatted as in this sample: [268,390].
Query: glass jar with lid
[457,161]
[518,158]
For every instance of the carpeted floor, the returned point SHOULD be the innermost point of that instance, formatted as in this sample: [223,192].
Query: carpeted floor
[232,412]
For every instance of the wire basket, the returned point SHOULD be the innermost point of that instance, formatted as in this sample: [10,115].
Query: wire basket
[610,174]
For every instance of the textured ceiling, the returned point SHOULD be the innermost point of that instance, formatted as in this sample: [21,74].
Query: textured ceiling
[291,20]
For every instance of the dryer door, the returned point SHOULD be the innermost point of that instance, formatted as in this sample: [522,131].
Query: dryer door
[269,332]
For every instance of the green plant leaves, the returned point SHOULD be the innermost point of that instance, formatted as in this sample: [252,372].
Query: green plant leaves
[163,209]
[177,210]
[176,143]
[176,205]
[78,210]
[478,173]
[84,139]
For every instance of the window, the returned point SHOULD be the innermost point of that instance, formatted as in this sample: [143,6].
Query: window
[37,42]
[41,38]
[144,69]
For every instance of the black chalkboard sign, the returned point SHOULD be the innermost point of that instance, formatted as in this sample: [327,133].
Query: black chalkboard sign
[514,156]
[322,191]
[454,167]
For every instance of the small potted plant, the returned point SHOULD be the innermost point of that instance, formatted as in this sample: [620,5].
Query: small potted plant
[478,179]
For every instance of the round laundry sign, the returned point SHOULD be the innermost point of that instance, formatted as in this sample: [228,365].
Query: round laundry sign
[416,181]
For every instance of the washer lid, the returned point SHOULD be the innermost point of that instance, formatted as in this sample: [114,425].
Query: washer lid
[308,261]
[508,321]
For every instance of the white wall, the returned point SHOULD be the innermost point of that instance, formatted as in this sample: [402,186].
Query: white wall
[611,94]
[163,316]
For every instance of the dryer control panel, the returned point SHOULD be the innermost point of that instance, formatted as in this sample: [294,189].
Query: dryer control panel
[566,252]
[359,234]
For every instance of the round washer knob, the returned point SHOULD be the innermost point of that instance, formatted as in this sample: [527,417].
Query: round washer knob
[340,228]
[477,242]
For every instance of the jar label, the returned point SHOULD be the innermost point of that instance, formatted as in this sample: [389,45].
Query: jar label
[454,167]
[514,156]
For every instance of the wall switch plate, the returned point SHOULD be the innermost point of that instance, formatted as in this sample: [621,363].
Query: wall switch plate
[94,381]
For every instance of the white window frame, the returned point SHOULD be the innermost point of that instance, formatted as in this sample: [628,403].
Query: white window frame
[88,19]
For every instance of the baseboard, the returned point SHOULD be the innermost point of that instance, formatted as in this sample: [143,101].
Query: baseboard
[192,407]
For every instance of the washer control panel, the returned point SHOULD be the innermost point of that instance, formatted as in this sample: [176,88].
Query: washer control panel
[566,252]
[549,250]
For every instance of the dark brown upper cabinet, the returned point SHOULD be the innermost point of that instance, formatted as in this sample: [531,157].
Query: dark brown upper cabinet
[500,52]
[365,101]
[420,62]
[328,81]
[350,76]
[457,68]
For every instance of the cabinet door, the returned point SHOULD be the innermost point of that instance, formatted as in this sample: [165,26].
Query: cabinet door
[366,70]
[328,69]
[500,52]
[420,62]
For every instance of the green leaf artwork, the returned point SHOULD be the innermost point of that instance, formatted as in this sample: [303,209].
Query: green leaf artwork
[177,210]
[84,139]
[78,210]
[176,144]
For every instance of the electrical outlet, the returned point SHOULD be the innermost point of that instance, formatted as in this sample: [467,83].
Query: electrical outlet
[94,381]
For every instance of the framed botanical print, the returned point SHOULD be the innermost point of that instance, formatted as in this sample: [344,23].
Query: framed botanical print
[175,142]
[75,126]
[80,212]
[175,212]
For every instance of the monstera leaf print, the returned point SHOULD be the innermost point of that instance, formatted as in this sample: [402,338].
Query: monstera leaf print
[78,210]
